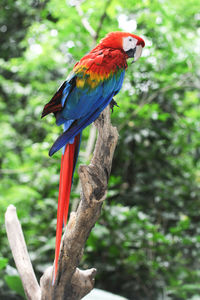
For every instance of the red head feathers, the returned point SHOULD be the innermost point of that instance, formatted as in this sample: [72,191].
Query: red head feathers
[128,42]
[115,39]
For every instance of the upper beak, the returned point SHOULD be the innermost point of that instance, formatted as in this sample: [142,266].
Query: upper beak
[138,53]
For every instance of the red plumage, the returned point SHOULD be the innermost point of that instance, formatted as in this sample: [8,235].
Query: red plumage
[102,61]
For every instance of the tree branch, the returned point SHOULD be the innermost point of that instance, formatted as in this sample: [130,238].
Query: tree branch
[72,283]
[94,34]
[85,22]
[20,254]
[103,16]
[94,180]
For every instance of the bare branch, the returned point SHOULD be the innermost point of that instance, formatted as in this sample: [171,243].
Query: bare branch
[71,283]
[86,155]
[85,22]
[94,180]
[20,254]
[94,34]
[103,16]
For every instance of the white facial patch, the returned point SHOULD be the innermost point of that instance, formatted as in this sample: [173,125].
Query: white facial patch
[129,43]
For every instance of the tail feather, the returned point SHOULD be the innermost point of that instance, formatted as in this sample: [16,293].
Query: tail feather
[60,210]
[68,163]
[73,155]
[68,186]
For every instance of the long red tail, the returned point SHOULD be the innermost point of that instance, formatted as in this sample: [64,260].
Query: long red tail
[68,162]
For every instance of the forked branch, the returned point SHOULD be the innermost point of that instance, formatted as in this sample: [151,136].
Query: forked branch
[72,283]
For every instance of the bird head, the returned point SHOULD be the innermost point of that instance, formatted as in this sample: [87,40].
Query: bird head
[130,43]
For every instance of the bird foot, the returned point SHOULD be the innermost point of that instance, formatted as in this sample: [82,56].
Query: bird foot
[112,104]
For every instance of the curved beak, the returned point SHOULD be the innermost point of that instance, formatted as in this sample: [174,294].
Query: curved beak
[135,53]
[138,53]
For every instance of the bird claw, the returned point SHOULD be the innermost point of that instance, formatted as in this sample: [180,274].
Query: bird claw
[112,104]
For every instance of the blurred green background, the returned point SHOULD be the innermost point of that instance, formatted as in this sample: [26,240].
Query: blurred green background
[146,244]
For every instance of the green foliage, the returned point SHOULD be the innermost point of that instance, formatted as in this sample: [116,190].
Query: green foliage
[15,284]
[146,244]
[3,262]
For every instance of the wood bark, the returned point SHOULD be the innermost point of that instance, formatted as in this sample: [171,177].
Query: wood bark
[71,283]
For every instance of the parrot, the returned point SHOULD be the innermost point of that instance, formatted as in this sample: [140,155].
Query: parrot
[88,89]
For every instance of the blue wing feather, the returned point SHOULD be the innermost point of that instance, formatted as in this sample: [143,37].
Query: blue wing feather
[78,126]
[81,108]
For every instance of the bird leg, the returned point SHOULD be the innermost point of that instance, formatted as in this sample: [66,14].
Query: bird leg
[112,104]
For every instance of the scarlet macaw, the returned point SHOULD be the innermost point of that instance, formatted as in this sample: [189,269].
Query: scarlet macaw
[91,86]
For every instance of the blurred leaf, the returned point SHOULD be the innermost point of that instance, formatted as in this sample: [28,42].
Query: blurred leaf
[14,283]
[3,262]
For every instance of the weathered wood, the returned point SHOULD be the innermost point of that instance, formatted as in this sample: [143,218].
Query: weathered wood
[20,254]
[71,283]
[94,181]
